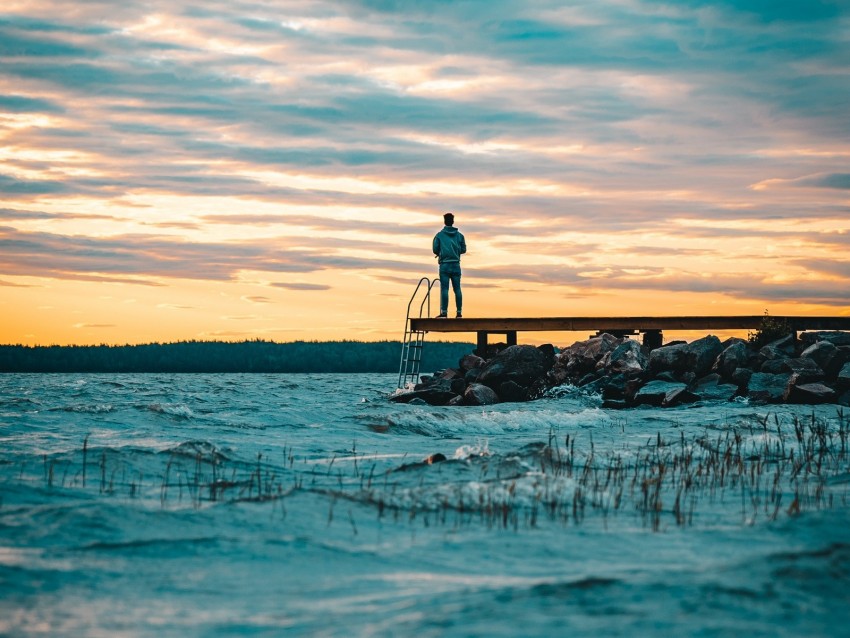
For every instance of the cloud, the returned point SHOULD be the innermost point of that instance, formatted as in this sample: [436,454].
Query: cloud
[144,258]
[258,299]
[94,325]
[300,286]
[839,181]
[24,104]
[13,186]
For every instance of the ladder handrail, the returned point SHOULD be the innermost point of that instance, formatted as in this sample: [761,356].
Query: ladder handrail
[414,339]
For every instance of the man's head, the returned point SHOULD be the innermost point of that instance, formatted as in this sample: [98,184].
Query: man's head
[448,219]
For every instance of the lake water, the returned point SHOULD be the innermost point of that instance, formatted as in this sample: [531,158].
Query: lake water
[218,505]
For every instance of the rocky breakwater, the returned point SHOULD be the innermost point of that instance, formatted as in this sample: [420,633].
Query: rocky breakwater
[814,369]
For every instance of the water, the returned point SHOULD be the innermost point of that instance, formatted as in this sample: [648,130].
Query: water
[182,505]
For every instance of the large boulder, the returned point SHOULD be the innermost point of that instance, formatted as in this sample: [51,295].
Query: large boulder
[773,366]
[835,337]
[697,356]
[843,380]
[810,393]
[582,357]
[733,357]
[805,369]
[772,353]
[702,354]
[479,394]
[659,393]
[673,357]
[741,377]
[511,391]
[768,388]
[627,358]
[712,388]
[471,362]
[787,345]
[521,364]
[822,353]
[435,395]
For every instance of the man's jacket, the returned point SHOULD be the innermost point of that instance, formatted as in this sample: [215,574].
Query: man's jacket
[449,245]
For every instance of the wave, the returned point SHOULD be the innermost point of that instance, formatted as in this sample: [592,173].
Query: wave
[176,410]
[83,408]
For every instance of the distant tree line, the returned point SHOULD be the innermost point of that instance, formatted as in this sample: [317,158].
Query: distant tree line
[223,356]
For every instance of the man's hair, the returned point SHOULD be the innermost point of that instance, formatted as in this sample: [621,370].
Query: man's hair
[449,219]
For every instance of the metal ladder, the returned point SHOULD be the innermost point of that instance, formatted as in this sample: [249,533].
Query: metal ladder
[414,340]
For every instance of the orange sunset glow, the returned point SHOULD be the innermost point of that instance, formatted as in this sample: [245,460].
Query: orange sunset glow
[217,170]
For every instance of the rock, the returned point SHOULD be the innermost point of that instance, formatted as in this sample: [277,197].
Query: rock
[614,387]
[432,396]
[521,364]
[678,397]
[697,357]
[596,386]
[479,394]
[702,354]
[810,393]
[733,357]
[842,381]
[731,341]
[438,457]
[669,358]
[767,388]
[458,400]
[773,366]
[471,376]
[449,374]
[656,392]
[590,377]
[582,356]
[771,353]
[823,353]
[511,391]
[433,383]
[844,399]
[548,351]
[471,362]
[835,337]
[458,385]
[786,344]
[418,401]
[615,404]
[805,369]
[626,358]
[667,376]
[742,376]
[711,388]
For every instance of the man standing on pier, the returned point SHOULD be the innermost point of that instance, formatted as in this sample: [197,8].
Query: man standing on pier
[449,245]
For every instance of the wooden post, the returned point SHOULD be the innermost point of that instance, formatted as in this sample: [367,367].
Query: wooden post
[510,337]
[482,344]
[653,339]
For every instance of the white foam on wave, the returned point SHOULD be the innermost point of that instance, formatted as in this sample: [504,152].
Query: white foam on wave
[180,410]
[524,491]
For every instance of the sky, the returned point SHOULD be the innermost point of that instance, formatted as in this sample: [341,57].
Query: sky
[247,169]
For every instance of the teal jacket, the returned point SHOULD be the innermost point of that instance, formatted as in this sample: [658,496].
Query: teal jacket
[449,245]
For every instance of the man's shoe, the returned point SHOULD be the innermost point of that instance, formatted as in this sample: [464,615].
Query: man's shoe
[442,315]
[458,316]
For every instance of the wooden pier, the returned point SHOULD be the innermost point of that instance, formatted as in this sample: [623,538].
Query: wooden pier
[650,327]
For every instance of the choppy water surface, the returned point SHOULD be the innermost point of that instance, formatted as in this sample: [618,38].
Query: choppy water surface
[301,505]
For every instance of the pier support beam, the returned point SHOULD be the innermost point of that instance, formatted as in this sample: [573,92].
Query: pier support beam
[510,339]
[653,339]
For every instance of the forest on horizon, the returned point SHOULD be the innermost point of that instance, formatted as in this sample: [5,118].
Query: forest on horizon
[226,356]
